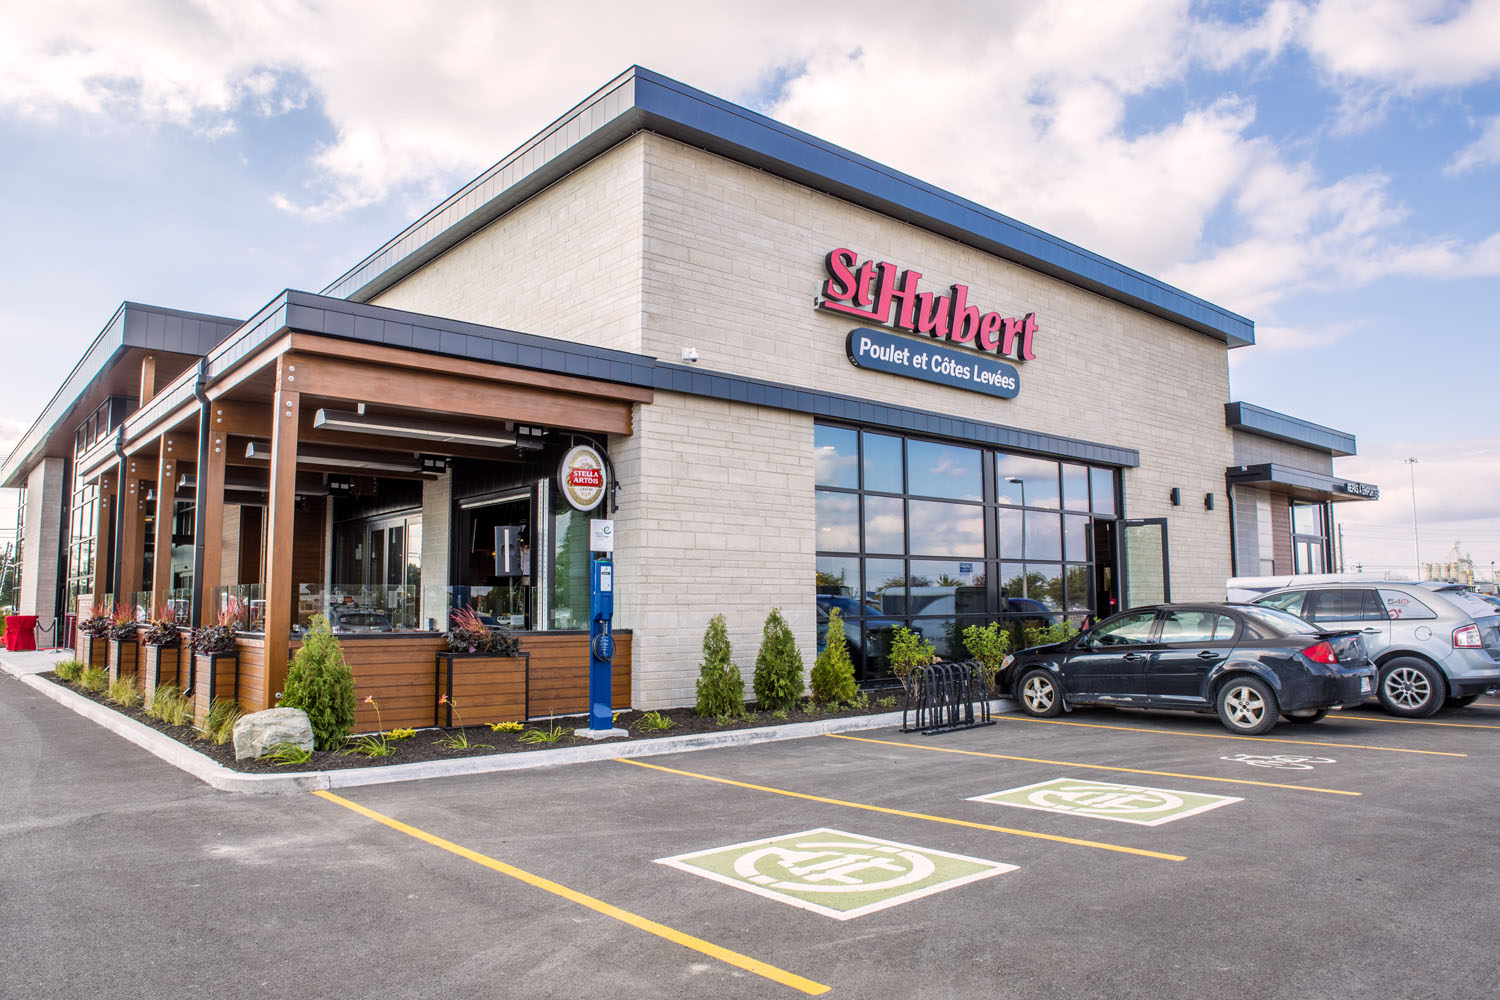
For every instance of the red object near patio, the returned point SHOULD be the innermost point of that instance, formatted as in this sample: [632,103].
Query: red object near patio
[20,632]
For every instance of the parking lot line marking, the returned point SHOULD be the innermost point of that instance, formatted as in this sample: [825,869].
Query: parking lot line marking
[911,815]
[1091,767]
[724,955]
[1225,736]
[1409,722]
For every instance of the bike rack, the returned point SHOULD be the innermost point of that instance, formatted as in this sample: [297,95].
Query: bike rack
[942,697]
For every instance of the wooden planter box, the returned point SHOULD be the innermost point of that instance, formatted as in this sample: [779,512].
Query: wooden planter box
[161,667]
[214,676]
[485,688]
[124,658]
[93,652]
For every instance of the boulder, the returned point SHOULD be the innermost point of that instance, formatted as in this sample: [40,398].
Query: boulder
[257,732]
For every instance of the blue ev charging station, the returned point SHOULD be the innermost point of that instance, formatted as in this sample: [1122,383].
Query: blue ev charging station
[601,633]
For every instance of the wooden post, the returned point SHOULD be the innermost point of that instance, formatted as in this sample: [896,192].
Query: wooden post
[129,526]
[280,587]
[103,536]
[148,379]
[211,498]
[166,508]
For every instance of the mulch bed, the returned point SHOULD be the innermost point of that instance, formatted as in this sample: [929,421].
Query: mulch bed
[424,746]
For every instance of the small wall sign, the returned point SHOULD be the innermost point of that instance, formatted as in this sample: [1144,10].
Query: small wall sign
[601,535]
[886,352]
[581,477]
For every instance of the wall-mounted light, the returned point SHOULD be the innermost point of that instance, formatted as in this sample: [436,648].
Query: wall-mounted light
[1176,497]
[690,354]
[1208,501]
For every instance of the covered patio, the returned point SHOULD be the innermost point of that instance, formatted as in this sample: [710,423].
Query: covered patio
[380,467]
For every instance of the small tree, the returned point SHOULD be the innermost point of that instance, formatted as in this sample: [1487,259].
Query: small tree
[908,652]
[833,673]
[721,689]
[988,644]
[778,666]
[1058,631]
[319,683]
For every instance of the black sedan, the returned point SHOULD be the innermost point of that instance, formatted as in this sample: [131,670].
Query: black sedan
[1246,662]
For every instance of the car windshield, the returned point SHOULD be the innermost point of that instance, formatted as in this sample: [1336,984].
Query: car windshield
[1279,622]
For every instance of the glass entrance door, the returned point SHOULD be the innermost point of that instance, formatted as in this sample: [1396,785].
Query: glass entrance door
[1145,556]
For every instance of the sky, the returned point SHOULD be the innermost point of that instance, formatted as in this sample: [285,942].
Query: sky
[1329,169]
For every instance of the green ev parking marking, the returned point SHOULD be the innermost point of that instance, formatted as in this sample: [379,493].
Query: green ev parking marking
[1105,800]
[840,875]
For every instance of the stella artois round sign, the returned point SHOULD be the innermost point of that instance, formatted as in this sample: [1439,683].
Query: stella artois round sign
[581,477]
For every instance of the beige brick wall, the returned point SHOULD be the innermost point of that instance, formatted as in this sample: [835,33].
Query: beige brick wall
[734,260]
[716,517]
[1252,449]
[564,264]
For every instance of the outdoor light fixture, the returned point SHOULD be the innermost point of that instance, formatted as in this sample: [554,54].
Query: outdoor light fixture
[421,430]
[1208,501]
[342,458]
[1176,497]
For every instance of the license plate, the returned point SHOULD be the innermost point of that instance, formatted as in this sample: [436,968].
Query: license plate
[1364,685]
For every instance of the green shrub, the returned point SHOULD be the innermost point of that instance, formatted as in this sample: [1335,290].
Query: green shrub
[987,644]
[124,692]
[909,651]
[319,683]
[94,679]
[778,666]
[69,670]
[721,689]
[163,696]
[833,672]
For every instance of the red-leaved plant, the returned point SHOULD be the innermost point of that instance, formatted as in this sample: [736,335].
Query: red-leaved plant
[467,633]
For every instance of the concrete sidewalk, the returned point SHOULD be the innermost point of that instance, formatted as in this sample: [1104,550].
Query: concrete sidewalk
[25,667]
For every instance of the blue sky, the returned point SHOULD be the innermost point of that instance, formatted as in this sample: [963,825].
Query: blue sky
[1331,169]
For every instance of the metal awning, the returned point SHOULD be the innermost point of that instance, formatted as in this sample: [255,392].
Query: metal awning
[1300,483]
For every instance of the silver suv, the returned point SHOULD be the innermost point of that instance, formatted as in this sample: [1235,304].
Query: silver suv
[1432,648]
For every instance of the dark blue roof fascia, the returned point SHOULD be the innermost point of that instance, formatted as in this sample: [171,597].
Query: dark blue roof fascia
[1326,487]
[1258,420]
[333,317]
[640,99]
[151,328]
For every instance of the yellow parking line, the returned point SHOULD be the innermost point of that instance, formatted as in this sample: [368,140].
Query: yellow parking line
[733,958]
[1225,736]
[911,815]
[1091,767]
[1408,722]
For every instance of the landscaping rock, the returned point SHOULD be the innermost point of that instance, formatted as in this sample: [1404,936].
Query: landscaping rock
[258,732]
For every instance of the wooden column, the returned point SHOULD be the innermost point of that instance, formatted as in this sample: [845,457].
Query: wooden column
[148,379]
[129,526]
[280,592]
[211,499]
[166,504]
[104,537]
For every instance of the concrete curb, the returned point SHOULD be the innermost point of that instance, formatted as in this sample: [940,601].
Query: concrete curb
[225,779]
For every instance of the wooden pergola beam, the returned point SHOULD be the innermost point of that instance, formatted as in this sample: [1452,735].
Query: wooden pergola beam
[280,593]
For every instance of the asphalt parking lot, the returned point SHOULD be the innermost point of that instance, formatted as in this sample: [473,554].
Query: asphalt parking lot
[1351,858]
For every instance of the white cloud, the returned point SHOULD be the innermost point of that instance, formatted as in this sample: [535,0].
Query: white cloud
[1277,339]
[1456,486]
[1022,106]
[1482,152]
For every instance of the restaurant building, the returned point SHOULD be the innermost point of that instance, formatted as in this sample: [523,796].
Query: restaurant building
[791,377]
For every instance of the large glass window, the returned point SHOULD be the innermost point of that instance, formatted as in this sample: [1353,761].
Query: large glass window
[937,537]
[1309,537]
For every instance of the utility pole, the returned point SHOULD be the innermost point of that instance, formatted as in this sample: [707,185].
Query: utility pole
[1416,540]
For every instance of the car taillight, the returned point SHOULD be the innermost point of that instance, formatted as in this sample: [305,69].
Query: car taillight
[1467,637]
[1321,653]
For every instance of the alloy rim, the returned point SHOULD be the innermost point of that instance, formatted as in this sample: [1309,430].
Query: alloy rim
[1038,694]
[1245,706]
[1408,687]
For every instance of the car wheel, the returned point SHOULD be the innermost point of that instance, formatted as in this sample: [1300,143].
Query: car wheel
[1463,702]
[1306,718]
[1247,706]
[1411,687]
[1039,694]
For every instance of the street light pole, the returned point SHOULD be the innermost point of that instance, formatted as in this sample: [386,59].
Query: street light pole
[1416,540]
